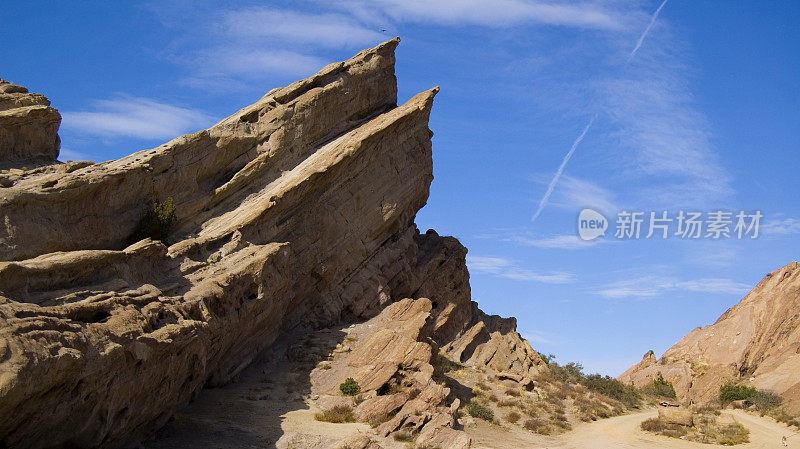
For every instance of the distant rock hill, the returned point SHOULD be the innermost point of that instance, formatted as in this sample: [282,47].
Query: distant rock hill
[756,342]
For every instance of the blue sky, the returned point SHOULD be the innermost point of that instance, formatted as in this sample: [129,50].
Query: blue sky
[704,116]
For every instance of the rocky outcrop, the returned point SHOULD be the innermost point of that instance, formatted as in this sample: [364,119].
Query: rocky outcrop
[756,342]
[294,213]
[28,128]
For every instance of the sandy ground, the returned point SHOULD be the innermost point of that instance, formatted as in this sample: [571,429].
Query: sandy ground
[270,401]
[624,432]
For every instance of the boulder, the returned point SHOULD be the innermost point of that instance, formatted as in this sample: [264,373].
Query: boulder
[676,415]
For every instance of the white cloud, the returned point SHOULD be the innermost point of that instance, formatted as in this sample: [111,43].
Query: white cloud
[664,142]
[575,194]
[330,30]
[136,117]
[715,285]
[254,63]
[651,286]
[505,268]
[496,13]
[555,242]
[65,154]
[536,338]
[786,226]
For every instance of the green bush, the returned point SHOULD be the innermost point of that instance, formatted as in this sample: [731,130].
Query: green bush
[350,387]
[571,372]
[613,388]
[157,222]
[660,387]
[477,410]
[730,392]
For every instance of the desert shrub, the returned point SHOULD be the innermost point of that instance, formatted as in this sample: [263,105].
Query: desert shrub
[765,401]
[337,414]
[157,221]
[508,403]
[571,372]
[733,434]
[492,397]
[512,392]
[730,392]
[653,425]
[539,426]
[513,417]
[477,410]
[613,388]
[442,365]
[660,387]
[781,416]
[350,387]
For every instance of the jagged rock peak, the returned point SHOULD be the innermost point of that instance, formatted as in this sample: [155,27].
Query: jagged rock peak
[28,128]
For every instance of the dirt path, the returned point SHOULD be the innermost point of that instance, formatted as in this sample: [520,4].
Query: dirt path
[623,432]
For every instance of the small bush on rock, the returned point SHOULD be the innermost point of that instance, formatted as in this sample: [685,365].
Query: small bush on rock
[660,387]
[350,387]
[157,221]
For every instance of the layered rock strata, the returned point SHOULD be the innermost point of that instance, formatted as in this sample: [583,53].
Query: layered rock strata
[295,212]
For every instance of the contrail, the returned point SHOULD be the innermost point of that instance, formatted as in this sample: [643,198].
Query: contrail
[646,30]
[560,170]
[575,144]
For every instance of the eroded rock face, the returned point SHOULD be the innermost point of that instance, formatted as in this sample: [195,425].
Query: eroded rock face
[756,342]
[295,212]
[28,127]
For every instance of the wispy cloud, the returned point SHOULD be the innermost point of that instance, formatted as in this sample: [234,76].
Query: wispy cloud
[497,13]
[66,154]
[554,242]
[506,268]
[536,338]
[651,286]
[575,193]
[786,226]
[663,143]
[560,170]
[252,63]
[329,30]
[143,118]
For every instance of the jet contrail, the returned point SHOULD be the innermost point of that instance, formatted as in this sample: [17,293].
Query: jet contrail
[575,144]
[560,170]
[646,30]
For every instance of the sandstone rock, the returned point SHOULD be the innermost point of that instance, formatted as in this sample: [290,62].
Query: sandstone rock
[675,415]
[754,342]
[292,214]
[280,208]
[357,442]
[28,128]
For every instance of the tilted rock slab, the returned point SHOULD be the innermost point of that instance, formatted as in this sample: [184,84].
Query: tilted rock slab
[278,208]
[294,212]
[756,342]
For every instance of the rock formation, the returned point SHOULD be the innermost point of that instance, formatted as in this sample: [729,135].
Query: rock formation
[756,342]
[28,128]
[294,213]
